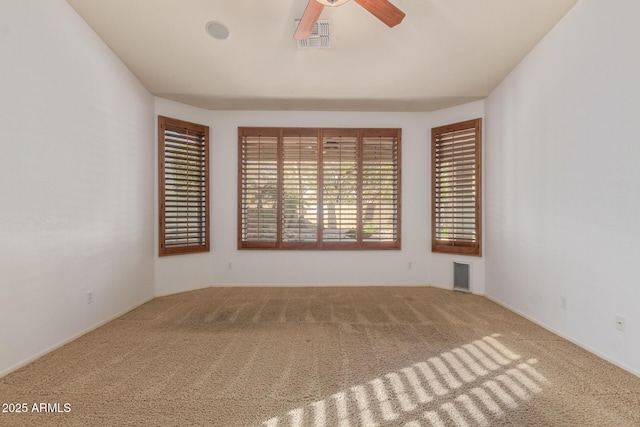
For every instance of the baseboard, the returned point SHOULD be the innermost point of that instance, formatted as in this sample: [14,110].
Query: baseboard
[68,340]
[566,337]
[291,285]
[450,288]
[315,285]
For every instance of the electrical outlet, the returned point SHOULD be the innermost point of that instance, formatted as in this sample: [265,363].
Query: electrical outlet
[563,302]
[89,297]
[409,265]
[621,323]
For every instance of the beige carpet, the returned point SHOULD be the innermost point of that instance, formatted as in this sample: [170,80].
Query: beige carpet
[322,357]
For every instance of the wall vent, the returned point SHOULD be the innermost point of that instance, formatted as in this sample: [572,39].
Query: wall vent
[461,277]
[320,37]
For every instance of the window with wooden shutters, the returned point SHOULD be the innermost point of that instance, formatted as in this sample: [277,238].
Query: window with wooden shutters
[258,159]
[183,172]
[299,188]
[456,188]
[340,199]
[380,171]
[319,188]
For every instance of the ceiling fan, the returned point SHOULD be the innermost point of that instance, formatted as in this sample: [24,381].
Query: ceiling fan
[381,9]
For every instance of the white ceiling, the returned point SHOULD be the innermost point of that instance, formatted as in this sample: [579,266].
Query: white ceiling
[444,53]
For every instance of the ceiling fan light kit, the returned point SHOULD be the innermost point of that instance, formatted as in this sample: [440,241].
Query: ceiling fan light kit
[332,3]
[381,9]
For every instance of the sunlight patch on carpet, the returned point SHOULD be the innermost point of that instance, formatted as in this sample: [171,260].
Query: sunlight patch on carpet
[467,385]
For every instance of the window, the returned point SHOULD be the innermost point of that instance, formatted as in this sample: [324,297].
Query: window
[456,188]
[307,188]
[183,195]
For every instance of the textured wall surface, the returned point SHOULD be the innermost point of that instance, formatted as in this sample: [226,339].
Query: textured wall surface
[76,181]
[334,268]
[562,192]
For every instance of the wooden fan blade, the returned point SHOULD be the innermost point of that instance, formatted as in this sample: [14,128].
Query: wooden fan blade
[308,20]
[383,10]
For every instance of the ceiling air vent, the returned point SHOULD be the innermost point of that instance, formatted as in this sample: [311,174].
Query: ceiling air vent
[320,37]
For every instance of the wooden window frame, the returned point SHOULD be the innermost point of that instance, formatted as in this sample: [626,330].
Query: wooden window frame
[201,133]
[461,246]
[320,243]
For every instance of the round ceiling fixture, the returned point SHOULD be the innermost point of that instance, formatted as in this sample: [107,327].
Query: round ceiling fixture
[217,30]
[332,2]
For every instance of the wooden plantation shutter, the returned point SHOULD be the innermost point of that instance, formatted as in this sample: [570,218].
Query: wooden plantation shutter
[259,207]
[340,199]
[456,188]
[308,188]
[380,185]
[300,188]
[183,172]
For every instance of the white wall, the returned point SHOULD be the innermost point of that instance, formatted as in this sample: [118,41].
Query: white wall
[76,181]
[562,181]
[291,268]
